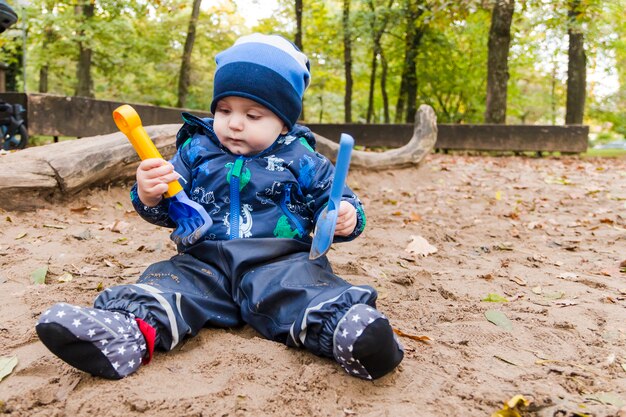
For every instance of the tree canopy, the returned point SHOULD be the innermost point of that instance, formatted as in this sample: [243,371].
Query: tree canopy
[441,47]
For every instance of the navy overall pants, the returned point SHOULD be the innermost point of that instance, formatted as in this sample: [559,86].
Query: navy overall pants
[269,284]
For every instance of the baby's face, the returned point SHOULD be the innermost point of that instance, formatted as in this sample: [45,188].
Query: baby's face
[245,127]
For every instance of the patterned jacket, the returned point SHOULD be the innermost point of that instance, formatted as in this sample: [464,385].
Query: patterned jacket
[281,191]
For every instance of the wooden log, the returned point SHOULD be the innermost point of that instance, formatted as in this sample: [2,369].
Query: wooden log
[31,177]
[421,144]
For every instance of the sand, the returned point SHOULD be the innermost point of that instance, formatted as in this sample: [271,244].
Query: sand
[544,236]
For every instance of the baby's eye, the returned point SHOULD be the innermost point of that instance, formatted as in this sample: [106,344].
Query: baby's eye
[222,110]
[253,116]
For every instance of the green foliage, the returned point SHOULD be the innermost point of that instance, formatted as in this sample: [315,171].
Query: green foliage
[137,48]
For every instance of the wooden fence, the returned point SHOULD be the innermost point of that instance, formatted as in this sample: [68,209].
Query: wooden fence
[51,115]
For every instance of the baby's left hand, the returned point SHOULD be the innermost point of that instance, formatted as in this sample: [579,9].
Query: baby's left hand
[346,220]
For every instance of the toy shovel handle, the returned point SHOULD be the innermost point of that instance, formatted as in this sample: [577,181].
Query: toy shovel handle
[129,123]
[346,143]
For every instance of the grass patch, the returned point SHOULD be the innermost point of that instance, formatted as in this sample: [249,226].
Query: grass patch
[604,153]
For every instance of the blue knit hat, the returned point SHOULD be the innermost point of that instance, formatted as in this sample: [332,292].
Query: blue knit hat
[267,69]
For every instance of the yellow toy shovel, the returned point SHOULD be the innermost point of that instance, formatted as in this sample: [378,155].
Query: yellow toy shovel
[191,218]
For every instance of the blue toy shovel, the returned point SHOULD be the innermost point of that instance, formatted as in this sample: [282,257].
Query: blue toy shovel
[327,220]
[191,218]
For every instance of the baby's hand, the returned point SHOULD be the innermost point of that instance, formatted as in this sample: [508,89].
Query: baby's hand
[153,175]
[346,220]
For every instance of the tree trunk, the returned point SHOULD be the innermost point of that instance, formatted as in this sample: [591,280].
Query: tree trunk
[498,61]
[408,85]
[185,66]
[298,40]
[43,79]
[576,66]
[84,86]
[347,59]
[377,33]
[383,85]
[48,39]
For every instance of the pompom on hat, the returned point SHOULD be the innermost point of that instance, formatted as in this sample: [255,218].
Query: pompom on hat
[268,69]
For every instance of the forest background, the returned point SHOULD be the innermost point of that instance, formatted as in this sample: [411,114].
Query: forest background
[372,61]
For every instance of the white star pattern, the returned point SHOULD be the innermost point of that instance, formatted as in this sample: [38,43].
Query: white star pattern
[115,334]
[350,328]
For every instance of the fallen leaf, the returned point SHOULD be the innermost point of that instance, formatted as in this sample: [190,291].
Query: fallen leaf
[511,407]
[566,303]
[7,364]
[66,277]
[498,195]
[119,226]
[80,209]
[39,275]
[607,398]
[54,226]
[415,217]
[504,246]
[518,281]
[499,319]
[503,359]
[9,219]
[410,336]
[554,180]
[20,236]
[537,290]
[554,295]
[420,246]
[495,298]
[567,275]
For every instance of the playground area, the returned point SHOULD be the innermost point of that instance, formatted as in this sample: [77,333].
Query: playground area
[520,289]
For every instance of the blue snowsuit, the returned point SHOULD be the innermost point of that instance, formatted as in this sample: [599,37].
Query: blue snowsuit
[252,265]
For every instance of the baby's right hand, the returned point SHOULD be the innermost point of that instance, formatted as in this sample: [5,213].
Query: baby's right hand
[153,175]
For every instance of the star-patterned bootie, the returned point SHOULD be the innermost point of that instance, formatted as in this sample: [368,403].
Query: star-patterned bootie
[103,343]
[364,343]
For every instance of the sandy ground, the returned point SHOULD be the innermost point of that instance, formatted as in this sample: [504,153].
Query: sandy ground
[547,235]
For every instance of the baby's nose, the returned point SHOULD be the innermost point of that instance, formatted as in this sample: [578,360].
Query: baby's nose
[235,122]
